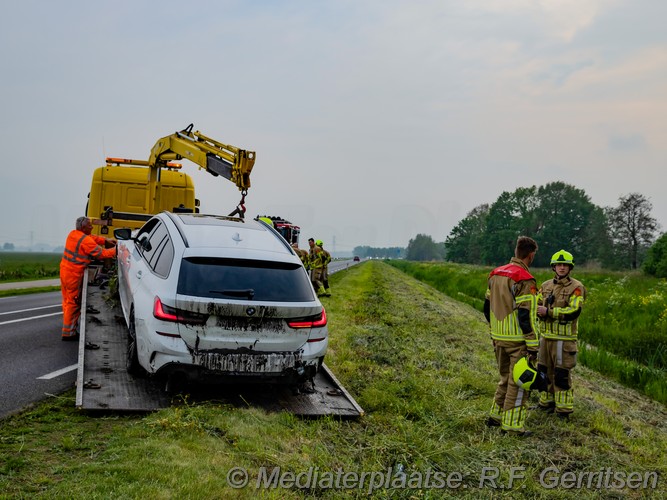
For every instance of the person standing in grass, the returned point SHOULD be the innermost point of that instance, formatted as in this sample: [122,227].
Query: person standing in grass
[510,308]
[316,259]
[303,255]
[560,302]
[325,270]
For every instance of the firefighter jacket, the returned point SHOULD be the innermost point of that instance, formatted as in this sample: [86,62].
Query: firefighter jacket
[81,249]
[317,258]
[303,255]
[564,298]
[511,305]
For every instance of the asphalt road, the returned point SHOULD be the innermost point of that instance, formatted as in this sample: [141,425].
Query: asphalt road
[35,363]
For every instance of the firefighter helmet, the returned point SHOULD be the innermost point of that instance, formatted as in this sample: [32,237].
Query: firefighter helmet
[319,243]
[562,257]
[527,377]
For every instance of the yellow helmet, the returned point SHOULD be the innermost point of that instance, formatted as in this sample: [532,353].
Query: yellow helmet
[562,257]
[527,377]
[319,243]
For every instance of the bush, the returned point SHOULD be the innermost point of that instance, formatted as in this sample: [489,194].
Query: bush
[656,260]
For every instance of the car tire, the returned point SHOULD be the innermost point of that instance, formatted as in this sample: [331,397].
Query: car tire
[132,363]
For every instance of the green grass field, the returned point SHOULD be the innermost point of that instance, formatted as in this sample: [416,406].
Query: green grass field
[419,363]
[26,266]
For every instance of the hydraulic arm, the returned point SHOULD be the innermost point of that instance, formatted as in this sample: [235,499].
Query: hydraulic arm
[215,157]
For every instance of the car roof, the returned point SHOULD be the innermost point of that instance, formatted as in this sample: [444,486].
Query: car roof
[225,233]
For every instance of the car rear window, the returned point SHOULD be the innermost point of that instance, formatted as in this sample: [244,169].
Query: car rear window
[240,279]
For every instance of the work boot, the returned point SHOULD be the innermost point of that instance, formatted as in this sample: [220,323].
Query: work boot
[73,336]
[522,434]
[492,422]
[321,292]
[546,409]
[327,292]
[563,416]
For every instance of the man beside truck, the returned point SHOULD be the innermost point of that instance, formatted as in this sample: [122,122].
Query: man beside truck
[80,249]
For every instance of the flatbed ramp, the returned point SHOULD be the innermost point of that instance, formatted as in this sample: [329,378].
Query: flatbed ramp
[103,384]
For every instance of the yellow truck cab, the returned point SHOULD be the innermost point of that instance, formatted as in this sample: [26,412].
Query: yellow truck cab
[120,196]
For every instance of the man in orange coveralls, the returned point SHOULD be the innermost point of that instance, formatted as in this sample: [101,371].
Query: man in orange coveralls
[80,248]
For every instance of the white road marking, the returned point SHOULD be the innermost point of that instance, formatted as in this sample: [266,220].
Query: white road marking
[28,319]
[31,309]
[57,373]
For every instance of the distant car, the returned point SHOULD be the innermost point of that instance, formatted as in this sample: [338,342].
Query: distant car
[211,296]
[356,258]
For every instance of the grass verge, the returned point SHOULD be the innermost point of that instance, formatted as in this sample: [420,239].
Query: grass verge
[422,367]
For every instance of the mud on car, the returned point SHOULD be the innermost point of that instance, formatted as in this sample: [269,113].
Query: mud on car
[212,297]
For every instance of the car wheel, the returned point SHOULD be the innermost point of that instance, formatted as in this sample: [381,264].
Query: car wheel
[132,364]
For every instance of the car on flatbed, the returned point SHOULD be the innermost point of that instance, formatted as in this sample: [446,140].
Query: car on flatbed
[213,297]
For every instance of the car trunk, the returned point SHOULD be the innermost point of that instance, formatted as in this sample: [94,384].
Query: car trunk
[245,304]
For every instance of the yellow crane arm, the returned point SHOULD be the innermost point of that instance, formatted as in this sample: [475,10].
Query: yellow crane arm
[215,157]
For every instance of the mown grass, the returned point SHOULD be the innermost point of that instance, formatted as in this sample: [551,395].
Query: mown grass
[24,266]
[419,363]
[623,327]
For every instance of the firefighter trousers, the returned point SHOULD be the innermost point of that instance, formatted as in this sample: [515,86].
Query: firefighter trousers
[558,358]
[317,277]
[510,400]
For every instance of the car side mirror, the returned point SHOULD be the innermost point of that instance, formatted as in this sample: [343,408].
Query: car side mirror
[122,234]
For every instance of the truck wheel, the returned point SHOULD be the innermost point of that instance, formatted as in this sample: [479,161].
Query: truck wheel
[132,363]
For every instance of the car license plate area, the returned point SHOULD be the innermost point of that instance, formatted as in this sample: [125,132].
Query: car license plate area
[247,363]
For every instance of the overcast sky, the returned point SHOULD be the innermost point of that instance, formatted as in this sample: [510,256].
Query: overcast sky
[373,121]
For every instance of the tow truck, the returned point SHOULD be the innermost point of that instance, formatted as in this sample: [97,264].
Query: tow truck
[126,193]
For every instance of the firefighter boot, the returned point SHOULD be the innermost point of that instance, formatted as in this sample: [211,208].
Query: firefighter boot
[321,292]
[327,292]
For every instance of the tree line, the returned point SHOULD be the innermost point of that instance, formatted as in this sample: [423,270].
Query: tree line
[558,216]
[379,252]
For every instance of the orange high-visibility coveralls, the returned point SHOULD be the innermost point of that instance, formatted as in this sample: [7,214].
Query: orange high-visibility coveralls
[80,249]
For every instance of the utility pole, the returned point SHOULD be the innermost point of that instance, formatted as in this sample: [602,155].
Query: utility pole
[333,245]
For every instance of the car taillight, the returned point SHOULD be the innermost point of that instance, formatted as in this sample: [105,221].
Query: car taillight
[167,313]
[317,321]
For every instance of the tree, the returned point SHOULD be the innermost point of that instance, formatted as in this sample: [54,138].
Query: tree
[8,247]
[631,227]
[566,219]
[656,258]
[464,243]
[512,215]
[422,247]
[379,253]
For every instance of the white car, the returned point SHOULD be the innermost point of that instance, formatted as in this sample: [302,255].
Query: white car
[207,296]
